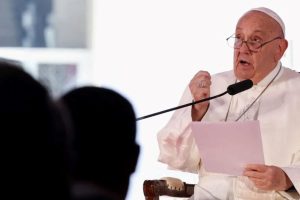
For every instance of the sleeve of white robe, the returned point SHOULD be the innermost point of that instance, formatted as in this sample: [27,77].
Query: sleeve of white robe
[293,171]
[176,143]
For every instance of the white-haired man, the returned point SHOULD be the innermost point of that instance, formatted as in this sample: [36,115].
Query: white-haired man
[259,43]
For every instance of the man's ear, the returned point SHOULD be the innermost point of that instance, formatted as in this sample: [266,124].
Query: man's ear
[134,157]
[128,159]
[282,46]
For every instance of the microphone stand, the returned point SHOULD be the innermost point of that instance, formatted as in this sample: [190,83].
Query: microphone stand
[182,106]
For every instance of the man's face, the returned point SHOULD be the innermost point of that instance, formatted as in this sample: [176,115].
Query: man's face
[257,26]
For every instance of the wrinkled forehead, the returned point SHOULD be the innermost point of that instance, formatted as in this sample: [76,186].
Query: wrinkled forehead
[260,21]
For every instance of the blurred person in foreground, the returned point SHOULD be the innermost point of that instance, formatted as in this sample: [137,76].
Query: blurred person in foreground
[34,139]
[105,149]
[259,43]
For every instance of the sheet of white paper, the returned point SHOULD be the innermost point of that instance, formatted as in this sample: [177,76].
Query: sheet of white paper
[226,147]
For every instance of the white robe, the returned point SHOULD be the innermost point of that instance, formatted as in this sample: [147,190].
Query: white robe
[278,111]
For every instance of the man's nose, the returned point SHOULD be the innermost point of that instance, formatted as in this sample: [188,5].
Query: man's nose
[244,47]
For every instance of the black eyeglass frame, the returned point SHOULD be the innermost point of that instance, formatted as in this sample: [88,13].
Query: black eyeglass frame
[246,42]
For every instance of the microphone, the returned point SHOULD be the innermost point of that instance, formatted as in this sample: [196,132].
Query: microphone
[239,87]
[231,89]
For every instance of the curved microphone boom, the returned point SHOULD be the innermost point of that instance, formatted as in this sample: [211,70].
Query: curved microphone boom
[231,89]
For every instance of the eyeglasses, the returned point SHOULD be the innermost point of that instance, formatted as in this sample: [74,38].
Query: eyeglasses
[253,45]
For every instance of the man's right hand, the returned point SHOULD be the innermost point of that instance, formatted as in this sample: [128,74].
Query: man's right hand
[200,89]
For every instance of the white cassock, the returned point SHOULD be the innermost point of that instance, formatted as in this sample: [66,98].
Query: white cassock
[278,111]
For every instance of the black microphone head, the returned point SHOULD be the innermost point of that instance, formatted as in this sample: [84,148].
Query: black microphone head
[239,87]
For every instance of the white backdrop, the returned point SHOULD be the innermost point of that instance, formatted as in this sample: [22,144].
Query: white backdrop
[149,50]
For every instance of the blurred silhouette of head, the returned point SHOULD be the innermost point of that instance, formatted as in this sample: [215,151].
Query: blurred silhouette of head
[33,135]
[105,132]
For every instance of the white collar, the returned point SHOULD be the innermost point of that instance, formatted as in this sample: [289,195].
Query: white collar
[265,81]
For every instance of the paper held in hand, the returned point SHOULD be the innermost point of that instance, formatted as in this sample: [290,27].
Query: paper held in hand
[226,147]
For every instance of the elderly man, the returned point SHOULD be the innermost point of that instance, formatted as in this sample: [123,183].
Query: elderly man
[259,43]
